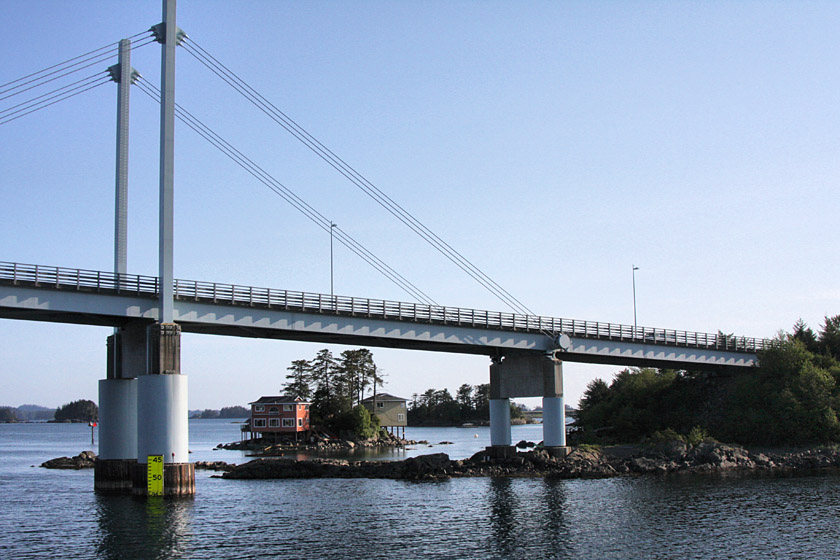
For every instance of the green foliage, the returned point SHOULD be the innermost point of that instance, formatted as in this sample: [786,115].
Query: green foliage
[793,398]
[696,436]
[77,411]
[334,386]
[365,425]
[7,414]
[234,412]
[438,407]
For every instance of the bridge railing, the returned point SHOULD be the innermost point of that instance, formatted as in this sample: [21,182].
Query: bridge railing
[250,296]
[40,276]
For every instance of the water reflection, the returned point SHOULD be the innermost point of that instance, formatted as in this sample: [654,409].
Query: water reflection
[503,506]
[529,518]
[143,528]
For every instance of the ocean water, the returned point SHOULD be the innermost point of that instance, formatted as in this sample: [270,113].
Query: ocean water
[56,514]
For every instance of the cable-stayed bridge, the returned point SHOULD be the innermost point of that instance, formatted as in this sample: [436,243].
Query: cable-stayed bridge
[46,293]
[143,404]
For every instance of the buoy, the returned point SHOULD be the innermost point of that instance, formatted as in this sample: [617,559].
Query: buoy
[475,435]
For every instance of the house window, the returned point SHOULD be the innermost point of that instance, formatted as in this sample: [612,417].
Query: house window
[402,405]
[273,422]
[300,422]
[288,407]
[401,417]
[380,405]
[259,407]
[259,422]
[273,410]
[288,422]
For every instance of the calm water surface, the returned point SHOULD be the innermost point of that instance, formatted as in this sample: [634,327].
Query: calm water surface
[55,514]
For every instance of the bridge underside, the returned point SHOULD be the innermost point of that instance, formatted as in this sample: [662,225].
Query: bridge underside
[104,309]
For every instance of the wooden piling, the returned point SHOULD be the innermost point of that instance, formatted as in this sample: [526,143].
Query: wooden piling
[114,476]
[178,480]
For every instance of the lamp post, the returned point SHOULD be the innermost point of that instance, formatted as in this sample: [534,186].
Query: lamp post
[332,228]
[635,268]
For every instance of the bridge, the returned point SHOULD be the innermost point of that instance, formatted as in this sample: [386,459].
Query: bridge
[143,399]
[64,295]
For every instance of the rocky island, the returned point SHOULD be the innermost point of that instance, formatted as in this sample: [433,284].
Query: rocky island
[582,462]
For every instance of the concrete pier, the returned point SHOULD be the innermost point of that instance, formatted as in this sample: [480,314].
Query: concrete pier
[162,426]
[117,435]
[143,411]
[527,375]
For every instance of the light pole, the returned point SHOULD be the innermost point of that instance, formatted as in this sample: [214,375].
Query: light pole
[332,228]
[635,268]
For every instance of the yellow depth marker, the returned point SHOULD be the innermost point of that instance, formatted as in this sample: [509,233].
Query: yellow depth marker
[154,475]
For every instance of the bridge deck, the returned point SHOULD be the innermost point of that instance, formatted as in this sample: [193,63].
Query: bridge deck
[109,283]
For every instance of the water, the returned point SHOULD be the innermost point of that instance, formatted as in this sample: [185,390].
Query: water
[55,514]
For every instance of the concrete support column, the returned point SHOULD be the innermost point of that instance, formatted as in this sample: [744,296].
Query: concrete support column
[117,436]
[500,422]
[117,458]
[162,415]
[554,410]
[554,422]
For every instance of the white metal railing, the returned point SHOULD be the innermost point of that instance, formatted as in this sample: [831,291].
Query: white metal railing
[230,294]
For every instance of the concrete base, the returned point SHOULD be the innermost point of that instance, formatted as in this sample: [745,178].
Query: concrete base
[499,452]
[113,476]
[558,452]
[178,480]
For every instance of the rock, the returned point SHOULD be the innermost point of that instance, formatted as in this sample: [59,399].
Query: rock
[84,460]
[214,466]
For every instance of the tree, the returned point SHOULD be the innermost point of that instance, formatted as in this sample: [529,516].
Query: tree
[7,415]
[299,379]
[465,399]
[77,411]
[805,335]
[357,372]
[829,340]
[324,370]
[234,412]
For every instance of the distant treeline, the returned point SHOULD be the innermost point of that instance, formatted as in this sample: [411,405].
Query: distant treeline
[793,398]
[76,411]
[225,412]
[26,413]
[471,404]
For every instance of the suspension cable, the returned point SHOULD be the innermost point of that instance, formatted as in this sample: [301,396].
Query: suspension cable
[284,192]
[55,91]
[351,174]
[43,105]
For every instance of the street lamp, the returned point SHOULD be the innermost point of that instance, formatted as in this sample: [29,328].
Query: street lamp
[332,227]
[635,268]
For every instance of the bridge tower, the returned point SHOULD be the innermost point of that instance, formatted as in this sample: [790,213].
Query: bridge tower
[143,401]
[118,394]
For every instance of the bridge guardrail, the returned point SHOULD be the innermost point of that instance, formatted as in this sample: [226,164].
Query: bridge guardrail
[231,294]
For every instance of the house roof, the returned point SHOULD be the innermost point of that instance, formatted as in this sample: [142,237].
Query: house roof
[282,399]
[385,397]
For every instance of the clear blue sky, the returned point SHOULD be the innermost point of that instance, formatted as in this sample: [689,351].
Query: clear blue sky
[555,144]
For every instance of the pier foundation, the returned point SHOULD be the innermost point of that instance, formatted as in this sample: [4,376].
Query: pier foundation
[143,412]
[528,375]
[117,425]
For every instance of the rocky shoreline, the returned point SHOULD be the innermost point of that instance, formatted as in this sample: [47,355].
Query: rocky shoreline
[672,457]
[582,462]
[261,448]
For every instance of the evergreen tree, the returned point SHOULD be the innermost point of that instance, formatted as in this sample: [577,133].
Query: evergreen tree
[829,340]
[77,411]
[298,380]
[804,334]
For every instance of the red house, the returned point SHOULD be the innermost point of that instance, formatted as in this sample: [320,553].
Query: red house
[273,417]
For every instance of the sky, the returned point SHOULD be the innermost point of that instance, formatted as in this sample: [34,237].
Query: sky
[554,144]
